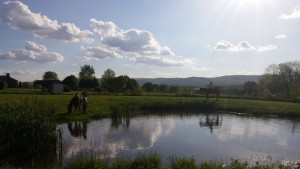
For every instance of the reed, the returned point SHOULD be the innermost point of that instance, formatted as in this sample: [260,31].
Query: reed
[153,161]
[27,127]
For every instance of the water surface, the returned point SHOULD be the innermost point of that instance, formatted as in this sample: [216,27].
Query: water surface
[206,137]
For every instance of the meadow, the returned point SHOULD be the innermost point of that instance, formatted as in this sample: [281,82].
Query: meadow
[100,106]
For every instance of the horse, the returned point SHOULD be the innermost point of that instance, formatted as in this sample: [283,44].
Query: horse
[75,101]
[216,90]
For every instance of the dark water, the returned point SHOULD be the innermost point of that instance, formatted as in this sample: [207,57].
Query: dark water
[206,137]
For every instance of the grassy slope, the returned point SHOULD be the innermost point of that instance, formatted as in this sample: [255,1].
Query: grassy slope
[100,106]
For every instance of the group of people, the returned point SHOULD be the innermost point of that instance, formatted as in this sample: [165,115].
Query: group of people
[77,101]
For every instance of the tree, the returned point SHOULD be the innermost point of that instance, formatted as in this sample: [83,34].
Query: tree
[72,82]
[87,77]
[107,75]
[86,72]
[250,88]
[122,84]
[282,79]
[49,75]
[88,83]
[148,87]
[26,85]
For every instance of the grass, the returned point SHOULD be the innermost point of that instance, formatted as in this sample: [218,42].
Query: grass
[28,128]
[102,105]
[153,161]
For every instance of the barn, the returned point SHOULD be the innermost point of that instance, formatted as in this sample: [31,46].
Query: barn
[11,82]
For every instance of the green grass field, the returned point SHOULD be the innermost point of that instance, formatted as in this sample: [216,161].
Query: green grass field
[102,105]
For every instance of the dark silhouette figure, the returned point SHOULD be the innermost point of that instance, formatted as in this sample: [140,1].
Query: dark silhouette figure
[217,91]
[75,101]
[79,129]
[211,122]
[84,103]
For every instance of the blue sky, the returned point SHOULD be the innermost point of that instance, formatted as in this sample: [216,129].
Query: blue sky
[170,38]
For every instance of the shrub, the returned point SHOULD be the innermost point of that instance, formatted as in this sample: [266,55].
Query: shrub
[67,88]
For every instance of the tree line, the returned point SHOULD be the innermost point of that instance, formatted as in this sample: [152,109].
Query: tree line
[279,81]
[87,80]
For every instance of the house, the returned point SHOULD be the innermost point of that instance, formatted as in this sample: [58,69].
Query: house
[11,82]
[52,86]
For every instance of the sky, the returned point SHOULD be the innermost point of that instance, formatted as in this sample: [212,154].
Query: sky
[150,39]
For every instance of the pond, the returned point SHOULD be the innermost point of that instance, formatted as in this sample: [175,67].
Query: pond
[206,137]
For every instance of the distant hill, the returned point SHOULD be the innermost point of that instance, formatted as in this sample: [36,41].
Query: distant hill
[201,81]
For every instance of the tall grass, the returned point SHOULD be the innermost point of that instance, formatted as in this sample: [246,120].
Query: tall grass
[153,161]
[27,127]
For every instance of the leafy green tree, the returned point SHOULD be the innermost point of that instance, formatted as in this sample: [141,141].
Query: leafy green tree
[250,88]
[163,88]
[87,77]
[72,82]
[122,84]
[88,83]
[173,89]
[26,85]
[148,87]
[49,75]
[282,79]
[107,75]
[86,72]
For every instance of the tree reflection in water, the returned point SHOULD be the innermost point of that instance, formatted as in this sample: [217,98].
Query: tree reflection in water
[120,120]
[212,121]
[78,129]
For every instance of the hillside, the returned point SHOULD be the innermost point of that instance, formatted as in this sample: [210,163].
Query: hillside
[201,81]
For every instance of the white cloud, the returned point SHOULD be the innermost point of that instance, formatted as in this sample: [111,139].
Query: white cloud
[138,45]
[101,52]
[223,45]
[266,48]
[243,46]
[18,16]
[295,14]
[32,52]
[280,36]
[161,61]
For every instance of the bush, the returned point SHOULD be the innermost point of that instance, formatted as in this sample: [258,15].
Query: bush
[67,88]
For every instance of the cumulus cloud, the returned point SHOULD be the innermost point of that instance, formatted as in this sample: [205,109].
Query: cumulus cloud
[243,46]
[34,53]
[19,17]
[101,52]
[280,36]
[138,45]
[294,14]
[223,45]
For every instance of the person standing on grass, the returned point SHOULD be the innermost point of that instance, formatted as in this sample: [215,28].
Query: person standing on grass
[84,103]
[210,87]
